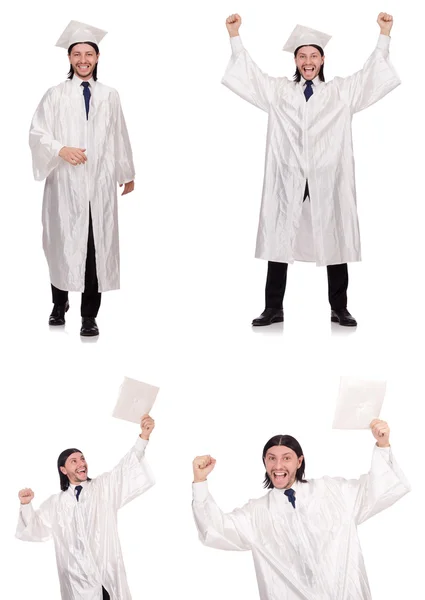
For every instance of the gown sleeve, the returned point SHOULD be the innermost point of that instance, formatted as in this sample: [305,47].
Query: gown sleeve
[243,77]
[379,489]
[377,78]
[44,147]
[123,155]
[34,525]
[130,478]
[231,531]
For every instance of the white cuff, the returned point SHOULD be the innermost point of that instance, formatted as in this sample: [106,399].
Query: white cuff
[236,44]
[141,444]
[383,42]
[200,491]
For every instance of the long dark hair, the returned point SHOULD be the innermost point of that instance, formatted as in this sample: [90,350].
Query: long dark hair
[297,74]
[64,481]
[289,442]
[71,68]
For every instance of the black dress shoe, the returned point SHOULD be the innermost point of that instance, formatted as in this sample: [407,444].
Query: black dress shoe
[57,316]
[269,316]
[343,317]
[89,327]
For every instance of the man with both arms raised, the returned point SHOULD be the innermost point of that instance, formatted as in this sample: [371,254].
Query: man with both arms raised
[82,521]
[308,211]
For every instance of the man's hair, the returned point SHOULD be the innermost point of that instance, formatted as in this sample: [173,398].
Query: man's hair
[297,74]
[71,68]
[289,442]
[63,456]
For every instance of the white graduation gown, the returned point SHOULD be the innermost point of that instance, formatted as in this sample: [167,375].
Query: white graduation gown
[311,552]
[310,140]
[60,120]
[85,533]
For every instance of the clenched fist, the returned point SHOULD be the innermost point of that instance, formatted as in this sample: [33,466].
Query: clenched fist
[25,496]
[75,156]
[233,23]
[381,432]
[147,424]
[385,22]
[202,467]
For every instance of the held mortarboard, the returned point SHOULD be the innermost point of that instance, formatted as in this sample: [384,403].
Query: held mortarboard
[359,402]
[135,400]
[77,32]
[305,36]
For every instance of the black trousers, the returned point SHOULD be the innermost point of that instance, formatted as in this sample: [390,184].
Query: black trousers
[276,285]
[105,595]
[90,298]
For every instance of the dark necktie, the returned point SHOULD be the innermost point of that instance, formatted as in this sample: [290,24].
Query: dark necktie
[78,489]
[291,496]
[308,91]
[87,94]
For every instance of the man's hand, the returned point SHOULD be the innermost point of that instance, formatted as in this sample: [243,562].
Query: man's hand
[75,156]
[147,424]
[381,432]
[385,22]
[128,187]
[26,495]
[233,23]
[202,467]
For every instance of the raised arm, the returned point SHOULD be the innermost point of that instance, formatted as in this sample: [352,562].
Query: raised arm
[378,76]
[231,531]
[382,486]
[33,525]
[132,476]
[242,75]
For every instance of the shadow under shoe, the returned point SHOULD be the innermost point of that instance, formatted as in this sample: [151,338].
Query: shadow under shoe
[89,327]
[269,316]
[343,317]
[57,316]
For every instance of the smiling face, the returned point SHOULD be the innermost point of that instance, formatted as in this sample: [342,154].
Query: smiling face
[75,468]
[309,61]
[282,465]
[83,59]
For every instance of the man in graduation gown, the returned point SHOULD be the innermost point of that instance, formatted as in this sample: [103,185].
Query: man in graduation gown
[82,521]
[308,210]
[80,146]
[302,533]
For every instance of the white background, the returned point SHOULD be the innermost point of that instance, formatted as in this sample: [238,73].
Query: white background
[190,288]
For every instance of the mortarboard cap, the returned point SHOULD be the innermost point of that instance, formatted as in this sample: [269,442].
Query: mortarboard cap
[305,36]
[135,400]
[359,402]
[77,32]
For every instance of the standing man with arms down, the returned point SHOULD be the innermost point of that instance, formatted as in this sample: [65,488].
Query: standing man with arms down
[303,533]
[82,520]
[308,209]
[80,145]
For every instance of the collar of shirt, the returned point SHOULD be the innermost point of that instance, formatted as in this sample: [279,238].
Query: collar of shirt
[77,82]
[316,81]
[72,486]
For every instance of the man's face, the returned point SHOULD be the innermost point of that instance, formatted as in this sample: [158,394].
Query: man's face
[308,61]
[83,59]
[75,468]
[281,465]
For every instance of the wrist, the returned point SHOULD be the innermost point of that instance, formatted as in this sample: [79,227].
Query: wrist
[383,444]
[144,436]
[234,33]
[199,480]
[385,32]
